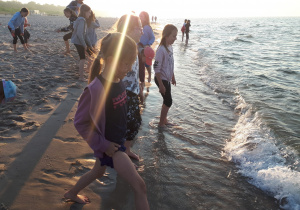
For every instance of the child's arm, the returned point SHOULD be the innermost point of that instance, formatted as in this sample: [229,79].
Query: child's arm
[85,126]
[173,80]
[95,24]
[12,20]
[159,57]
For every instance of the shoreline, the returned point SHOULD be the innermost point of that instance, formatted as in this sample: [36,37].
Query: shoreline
[41,152]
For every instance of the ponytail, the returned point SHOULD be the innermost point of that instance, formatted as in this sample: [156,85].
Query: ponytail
[96,68]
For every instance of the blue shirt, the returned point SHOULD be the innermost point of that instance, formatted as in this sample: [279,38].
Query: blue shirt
[17,21]
[148,36]
[91,32]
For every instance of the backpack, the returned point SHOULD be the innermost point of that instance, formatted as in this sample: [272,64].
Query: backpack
[183,28]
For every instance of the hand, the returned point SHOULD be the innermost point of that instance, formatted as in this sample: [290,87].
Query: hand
[22,34]
[162,89]
[113,147]
[173,81]
[13,31]
[28,24]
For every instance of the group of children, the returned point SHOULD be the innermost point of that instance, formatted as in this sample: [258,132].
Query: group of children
[108,114]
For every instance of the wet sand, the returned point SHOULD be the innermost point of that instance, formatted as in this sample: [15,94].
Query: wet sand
[41,153]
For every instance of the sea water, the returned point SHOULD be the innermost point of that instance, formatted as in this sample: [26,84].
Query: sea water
[237,104]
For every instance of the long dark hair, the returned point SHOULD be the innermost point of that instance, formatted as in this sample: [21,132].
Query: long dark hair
[83,9]
[91,19]
[168,29]
[110,46]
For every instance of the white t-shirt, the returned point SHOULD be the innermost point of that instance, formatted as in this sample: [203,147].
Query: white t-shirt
[164,62]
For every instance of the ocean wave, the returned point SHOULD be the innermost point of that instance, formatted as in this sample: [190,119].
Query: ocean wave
[262,159]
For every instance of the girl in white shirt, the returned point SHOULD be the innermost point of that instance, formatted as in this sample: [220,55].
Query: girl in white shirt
[164,70]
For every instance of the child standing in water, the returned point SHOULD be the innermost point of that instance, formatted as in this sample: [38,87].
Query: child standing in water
[80,38]
[164,70]
[72,17]
[101,117]
[131,26]
[16,27]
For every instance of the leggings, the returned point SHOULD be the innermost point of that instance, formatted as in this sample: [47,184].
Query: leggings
[17,34]
[167,97]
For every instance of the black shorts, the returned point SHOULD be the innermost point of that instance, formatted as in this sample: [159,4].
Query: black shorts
[67,36]
[167,96]
[134,119]
[80,50]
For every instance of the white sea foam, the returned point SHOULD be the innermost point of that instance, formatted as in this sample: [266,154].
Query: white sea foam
[253,148]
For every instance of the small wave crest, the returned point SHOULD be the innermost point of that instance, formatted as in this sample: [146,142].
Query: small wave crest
[254,149]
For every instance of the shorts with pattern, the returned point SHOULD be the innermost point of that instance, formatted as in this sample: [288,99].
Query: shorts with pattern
[134,119]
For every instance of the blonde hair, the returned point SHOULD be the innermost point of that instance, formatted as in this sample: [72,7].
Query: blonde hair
[133,21]
[109,46]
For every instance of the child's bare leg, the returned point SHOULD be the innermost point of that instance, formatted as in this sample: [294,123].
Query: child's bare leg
[96,172]
[128,145]
[127,171]
[67,47]
[81,69]
[25,47]
[163,115]
[149,73]
[15,47]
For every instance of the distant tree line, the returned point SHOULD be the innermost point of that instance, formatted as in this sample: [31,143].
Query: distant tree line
[11,7]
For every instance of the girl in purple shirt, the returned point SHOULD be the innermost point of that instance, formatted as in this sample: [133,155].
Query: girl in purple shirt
[101,118]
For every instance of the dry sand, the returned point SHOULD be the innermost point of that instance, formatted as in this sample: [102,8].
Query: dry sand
[41,153]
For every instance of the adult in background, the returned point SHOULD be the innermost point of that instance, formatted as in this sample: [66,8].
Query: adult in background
[187,31]
[16,27]
[75,6]
[147,39]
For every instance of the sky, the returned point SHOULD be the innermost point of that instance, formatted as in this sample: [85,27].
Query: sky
[190,8]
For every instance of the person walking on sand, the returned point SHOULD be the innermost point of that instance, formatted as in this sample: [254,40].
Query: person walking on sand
[69,13]
[183,28]
[101,118]
[79,37]
[187,31]
[148,38]
[131,25]
[16,27]
[92,25]
[75,6]
[164,70]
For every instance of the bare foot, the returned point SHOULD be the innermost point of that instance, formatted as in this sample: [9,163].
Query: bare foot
[132,155]
[171,124]
[67,52]
[77,198]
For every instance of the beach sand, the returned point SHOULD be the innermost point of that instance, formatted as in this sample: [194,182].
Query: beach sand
[41,153]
